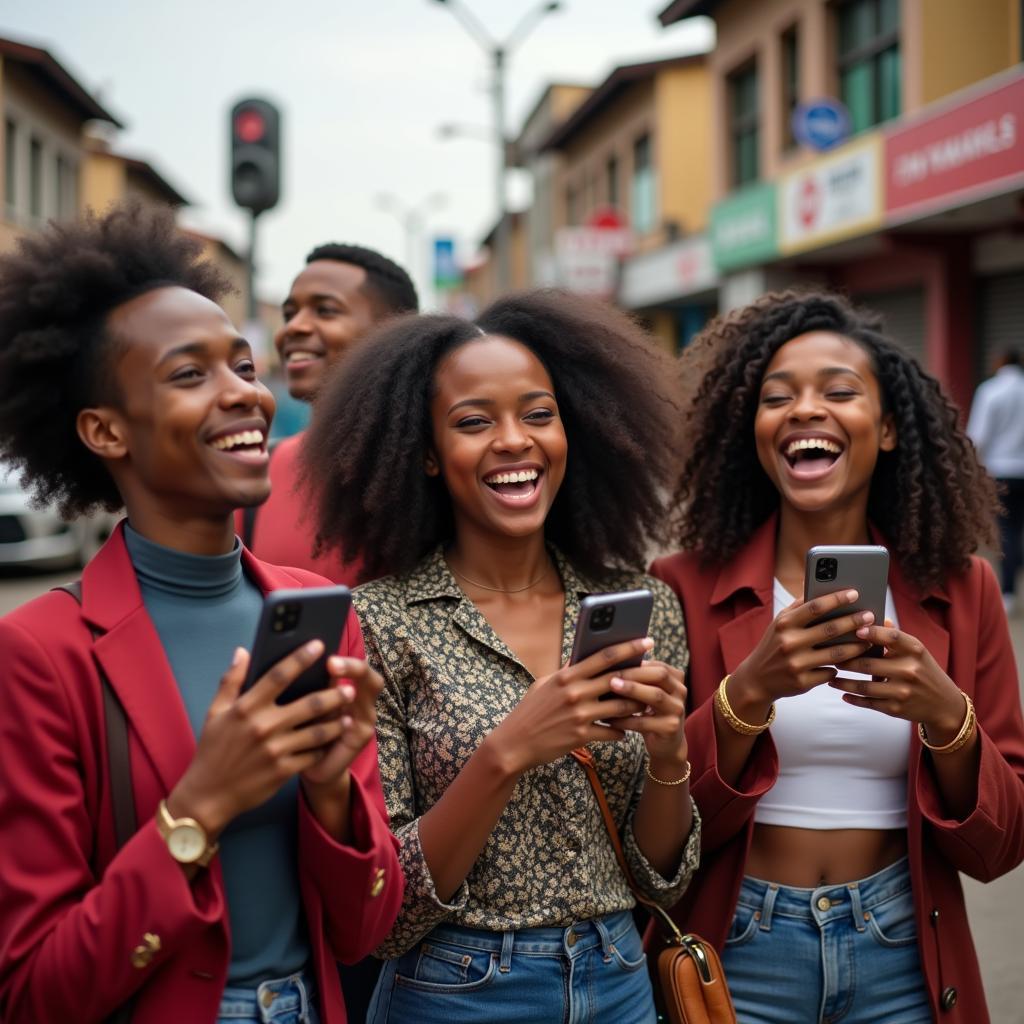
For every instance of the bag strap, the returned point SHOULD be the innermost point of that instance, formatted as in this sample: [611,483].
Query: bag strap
[249,513]
[586,759]
[119,768]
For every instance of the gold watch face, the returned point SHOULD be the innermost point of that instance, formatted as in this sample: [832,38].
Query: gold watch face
[186,843]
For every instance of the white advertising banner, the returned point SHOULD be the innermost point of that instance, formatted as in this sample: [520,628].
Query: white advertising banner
[683,268]
[833,198]
[588,258]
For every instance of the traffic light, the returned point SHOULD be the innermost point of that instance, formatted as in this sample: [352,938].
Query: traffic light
[255,154]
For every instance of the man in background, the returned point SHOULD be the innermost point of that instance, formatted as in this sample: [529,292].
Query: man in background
[996,426]
[343,292]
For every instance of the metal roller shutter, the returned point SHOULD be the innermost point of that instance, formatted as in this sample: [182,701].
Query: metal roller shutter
[904,315]
[1001,318]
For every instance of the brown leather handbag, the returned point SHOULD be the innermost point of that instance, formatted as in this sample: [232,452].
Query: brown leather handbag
[690,985]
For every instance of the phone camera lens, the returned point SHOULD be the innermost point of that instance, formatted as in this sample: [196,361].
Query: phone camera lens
[602,618]
[826,570]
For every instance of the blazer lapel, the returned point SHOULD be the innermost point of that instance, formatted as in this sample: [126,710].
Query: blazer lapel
[130,653]
[739,636]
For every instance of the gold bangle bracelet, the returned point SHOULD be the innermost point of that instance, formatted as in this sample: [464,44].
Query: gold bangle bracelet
[961,739]
[662,782]
[732,719]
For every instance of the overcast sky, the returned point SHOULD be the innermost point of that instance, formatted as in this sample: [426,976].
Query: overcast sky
[363,87]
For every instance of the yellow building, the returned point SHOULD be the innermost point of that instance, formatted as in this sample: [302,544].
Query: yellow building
[43,149]
[874,146]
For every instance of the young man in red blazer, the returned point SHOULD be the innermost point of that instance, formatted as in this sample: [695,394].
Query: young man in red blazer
[262,850]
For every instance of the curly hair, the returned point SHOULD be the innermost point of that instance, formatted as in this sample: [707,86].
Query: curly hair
[390,288]
[930,497]
[56,355]
[365,452]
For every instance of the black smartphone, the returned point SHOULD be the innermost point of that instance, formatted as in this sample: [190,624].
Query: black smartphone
[291,618]
[860,567]
[608,619]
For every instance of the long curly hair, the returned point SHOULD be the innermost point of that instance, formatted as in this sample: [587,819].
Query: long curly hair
[364,454]
[56,355]
[930,497]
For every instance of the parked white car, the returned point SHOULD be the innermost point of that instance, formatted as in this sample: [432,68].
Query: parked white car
[38,538]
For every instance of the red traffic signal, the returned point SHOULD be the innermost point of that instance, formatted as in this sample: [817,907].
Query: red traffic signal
[255,154]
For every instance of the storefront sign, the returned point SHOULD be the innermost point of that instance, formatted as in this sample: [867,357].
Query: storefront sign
[588,258]
[743,228]
[673,272]
[973,150]
[837,196]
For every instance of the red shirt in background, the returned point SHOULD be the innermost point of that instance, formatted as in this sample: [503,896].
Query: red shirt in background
[283,533]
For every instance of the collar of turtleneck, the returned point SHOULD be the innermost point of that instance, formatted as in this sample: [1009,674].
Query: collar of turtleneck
[182,574]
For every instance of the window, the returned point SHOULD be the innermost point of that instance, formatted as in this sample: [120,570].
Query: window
[869,60]
[10,164]
[35,178]
[572,206]
[743,124]
[643,200]
[790,84]
[611,176]
[67,189]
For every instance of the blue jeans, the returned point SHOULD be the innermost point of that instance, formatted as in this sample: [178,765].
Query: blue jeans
[594,972]
[290,1000]
[838,953]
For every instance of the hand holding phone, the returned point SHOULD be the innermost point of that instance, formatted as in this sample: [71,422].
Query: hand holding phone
[831,568]
[291,618]
[607,619]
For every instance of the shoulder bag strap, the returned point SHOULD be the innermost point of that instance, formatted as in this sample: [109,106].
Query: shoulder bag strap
[586,759]
[119,768]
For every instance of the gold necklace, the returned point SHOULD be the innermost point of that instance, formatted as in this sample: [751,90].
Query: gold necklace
[500,590]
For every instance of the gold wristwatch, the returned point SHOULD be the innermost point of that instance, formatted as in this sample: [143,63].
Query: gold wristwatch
[186,839]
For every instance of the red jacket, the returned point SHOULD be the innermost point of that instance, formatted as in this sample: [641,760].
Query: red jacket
[72,910]
[283,532]
[727,609]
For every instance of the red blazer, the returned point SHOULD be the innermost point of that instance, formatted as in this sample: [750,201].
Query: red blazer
[73,910]
[727,609]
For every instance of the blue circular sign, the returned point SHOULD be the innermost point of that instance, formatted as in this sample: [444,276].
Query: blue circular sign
[821,124]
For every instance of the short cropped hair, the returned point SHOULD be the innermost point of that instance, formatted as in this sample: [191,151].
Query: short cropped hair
[389,287]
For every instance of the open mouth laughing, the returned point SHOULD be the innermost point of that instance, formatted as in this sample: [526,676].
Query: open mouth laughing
[515,485]
[811,457]
[248,443]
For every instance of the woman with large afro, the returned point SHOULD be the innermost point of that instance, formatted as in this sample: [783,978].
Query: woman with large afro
[242,845]
[495,473]
[844,784]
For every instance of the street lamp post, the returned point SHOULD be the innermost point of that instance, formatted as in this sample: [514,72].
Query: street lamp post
[412,218]
[498,53]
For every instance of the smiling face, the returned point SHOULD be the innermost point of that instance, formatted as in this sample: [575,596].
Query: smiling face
[820,424]
[498,440]
[188,434]
[327,311]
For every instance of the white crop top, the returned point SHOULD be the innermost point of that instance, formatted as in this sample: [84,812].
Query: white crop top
[839,766]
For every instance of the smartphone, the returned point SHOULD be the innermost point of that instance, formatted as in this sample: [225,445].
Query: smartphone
[607,619]
[291,618]
[860,567]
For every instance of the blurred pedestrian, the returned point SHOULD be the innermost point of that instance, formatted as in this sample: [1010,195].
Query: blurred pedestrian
[839,810]
[996,426]
[526,466]
[343,292]
[173,849]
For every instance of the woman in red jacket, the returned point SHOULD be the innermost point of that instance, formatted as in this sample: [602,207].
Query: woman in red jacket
[261,850]
[838,811]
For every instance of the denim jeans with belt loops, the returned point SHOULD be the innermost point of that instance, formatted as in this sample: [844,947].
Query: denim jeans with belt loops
[290,1000]
[839,953]
[593,972]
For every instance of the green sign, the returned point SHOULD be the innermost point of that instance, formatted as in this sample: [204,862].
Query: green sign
[744,228]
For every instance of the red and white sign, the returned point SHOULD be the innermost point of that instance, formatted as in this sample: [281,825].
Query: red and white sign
[835,197]
[588,257]
[971,151]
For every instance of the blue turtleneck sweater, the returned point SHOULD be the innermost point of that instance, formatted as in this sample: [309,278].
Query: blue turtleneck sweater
[203,607]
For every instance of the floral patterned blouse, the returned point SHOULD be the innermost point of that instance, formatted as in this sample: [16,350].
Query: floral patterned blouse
[449,680]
